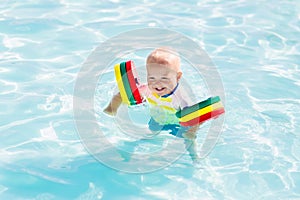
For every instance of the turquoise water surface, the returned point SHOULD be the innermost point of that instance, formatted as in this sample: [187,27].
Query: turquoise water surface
[255,45]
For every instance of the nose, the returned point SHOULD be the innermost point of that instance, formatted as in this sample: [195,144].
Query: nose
[157,83]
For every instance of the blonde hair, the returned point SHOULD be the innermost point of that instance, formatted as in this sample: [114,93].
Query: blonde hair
[164,56]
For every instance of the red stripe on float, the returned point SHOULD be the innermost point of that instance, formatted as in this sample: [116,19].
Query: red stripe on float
[132,83]
[202,118]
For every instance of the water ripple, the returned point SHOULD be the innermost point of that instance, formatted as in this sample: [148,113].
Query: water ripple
[255,46]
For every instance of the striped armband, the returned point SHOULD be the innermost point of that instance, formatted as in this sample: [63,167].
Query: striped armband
[127,81]
[200,112]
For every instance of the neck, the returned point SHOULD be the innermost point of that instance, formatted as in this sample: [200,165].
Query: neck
[172,92]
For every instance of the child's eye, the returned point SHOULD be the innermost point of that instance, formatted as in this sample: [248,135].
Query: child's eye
[165,78]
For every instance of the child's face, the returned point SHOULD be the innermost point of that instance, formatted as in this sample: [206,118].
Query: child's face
[162,79]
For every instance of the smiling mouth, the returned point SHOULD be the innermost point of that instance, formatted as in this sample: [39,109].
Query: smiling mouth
[160,89]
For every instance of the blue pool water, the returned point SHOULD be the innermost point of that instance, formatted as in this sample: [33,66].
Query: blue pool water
[255,45]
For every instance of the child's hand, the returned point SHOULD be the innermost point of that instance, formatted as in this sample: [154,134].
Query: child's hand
[108,110]
[114,104]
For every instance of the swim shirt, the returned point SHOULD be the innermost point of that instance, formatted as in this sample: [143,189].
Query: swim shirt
[163,108]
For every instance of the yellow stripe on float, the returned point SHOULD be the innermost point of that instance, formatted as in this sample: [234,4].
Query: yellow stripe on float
[200,112]
[120,84]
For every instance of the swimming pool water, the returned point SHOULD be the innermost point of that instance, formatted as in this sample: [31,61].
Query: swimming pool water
[255,47]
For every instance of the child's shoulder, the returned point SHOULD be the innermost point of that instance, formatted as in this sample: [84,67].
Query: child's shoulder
[185,96]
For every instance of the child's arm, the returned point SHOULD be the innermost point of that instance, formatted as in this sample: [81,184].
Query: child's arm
[191,132]
[114,104]
[116,101]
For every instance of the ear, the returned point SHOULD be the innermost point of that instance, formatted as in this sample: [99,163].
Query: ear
[179,74]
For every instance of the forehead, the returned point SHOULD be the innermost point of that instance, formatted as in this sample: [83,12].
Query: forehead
[164,58]
[160,69]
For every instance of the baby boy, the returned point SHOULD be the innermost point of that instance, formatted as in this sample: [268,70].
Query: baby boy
[165,95]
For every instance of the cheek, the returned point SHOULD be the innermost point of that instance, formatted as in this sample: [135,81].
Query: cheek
[150,82]
[150,85]
[173,82]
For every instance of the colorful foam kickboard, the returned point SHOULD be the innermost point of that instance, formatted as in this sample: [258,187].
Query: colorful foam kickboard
[126,78]
[200,112]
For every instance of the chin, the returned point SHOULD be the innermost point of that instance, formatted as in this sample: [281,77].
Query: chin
[162,93]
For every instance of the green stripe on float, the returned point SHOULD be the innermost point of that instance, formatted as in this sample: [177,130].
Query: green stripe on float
[126,83]
[203,118]
[200,105]
[135,91]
